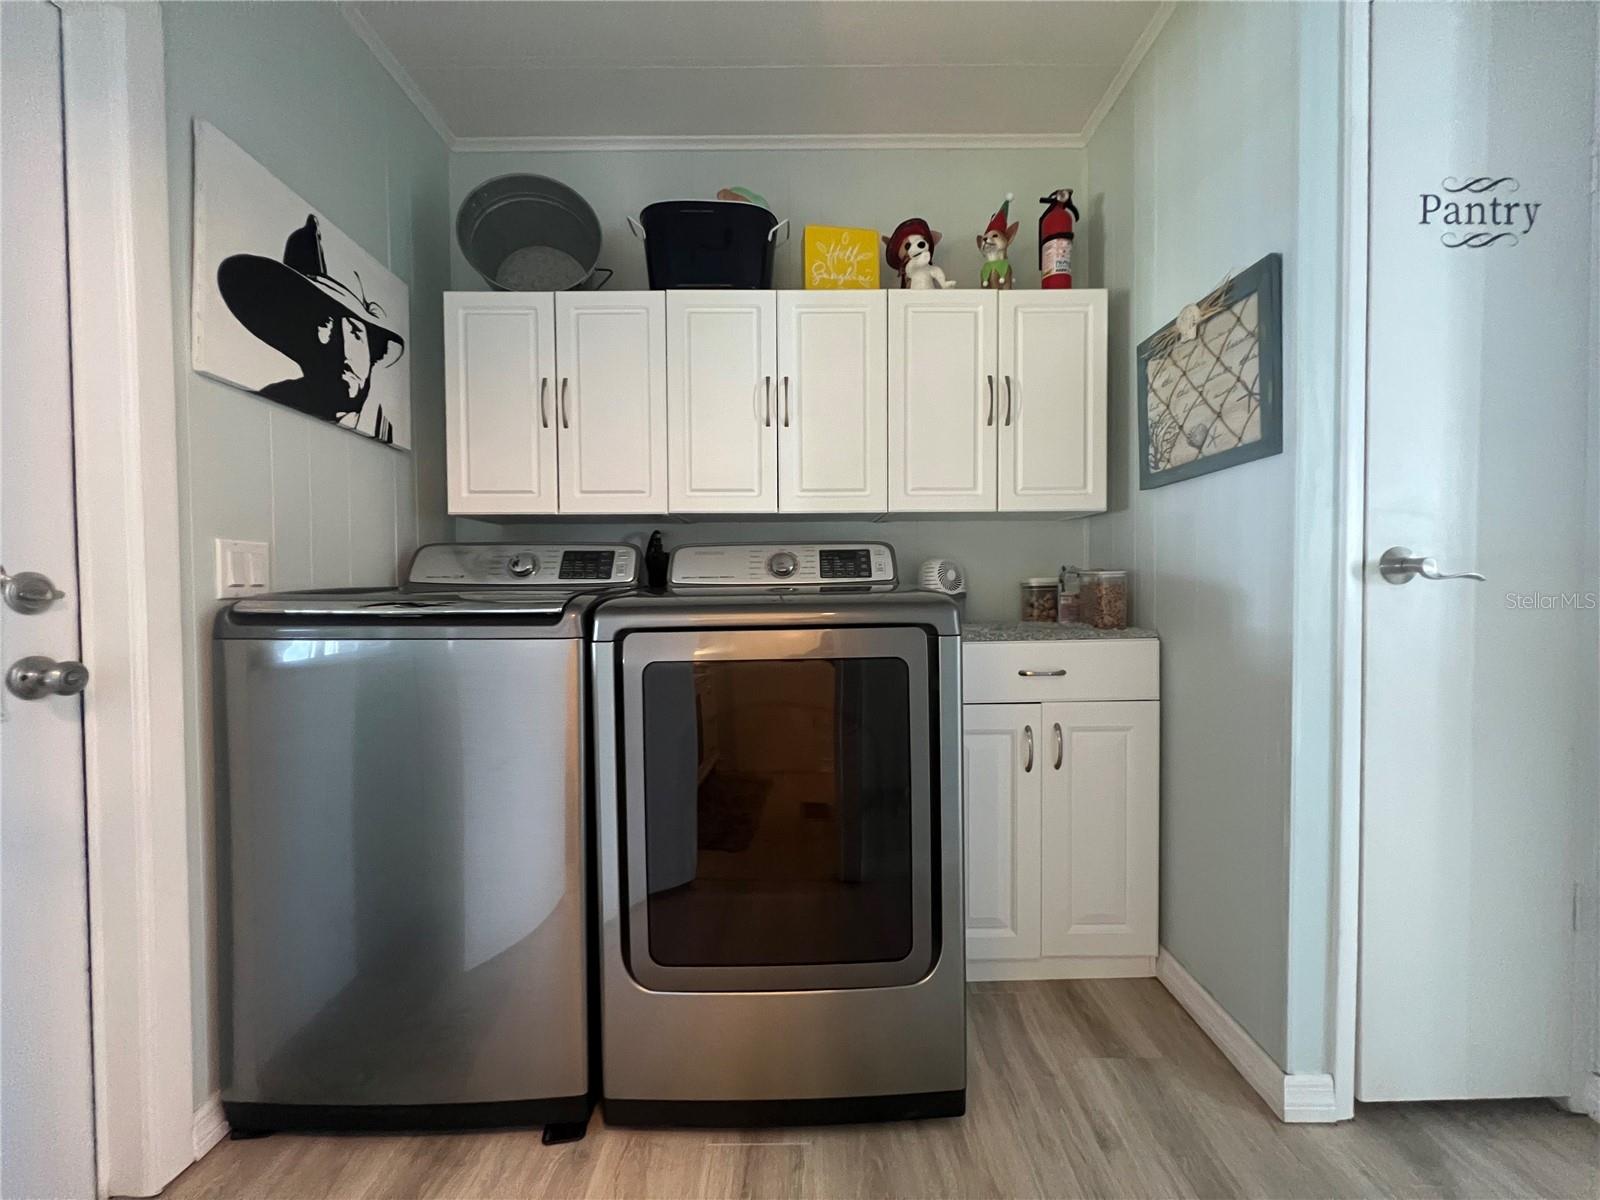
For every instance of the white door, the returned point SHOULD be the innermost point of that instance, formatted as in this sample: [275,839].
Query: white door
[722,366]
[1100,827]
[943,400]
[1002,768]
[1053,401]
[47,1130]
[611,350]
[500,406]
[1479,727]
[833,402]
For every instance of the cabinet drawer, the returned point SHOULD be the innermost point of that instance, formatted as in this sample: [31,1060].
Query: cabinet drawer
[1087,670]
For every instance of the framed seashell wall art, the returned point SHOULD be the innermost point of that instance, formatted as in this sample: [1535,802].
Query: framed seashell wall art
[1211,380]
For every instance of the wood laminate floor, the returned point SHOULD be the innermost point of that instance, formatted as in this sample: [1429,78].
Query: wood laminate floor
[1087,1088]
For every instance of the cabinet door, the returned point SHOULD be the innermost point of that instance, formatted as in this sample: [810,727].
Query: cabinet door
[1099,827]
[612,401]
[499,353]
[1001,770]
[943,397]
[722,436]
[1053,401]
[833,402]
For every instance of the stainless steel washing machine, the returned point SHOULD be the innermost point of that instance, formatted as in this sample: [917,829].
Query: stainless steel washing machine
[402,872]
[778,792]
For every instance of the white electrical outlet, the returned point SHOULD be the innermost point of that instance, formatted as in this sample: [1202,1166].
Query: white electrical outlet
[242,568]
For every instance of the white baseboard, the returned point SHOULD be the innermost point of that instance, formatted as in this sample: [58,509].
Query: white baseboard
[1586,1099]
[981,970]
[210,1126]
[1295,1098]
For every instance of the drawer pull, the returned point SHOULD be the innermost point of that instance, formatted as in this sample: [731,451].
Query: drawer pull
[1060,745]
[1027,744]
[1043,674]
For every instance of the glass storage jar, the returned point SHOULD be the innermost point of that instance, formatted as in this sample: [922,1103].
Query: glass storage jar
[1103,599]
[1068,587]
[1038,599]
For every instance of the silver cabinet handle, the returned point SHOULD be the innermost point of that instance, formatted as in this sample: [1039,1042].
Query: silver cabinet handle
[1059,671]
[1027,746]
[766,382]
[544,409]
[28,592]
[786,402]
[1398,565]
[1008,401]
[1061,744]
[566,415]
[36,676]
[989,420]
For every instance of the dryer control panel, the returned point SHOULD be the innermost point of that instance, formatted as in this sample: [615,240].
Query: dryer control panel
[811,566]
[482,564]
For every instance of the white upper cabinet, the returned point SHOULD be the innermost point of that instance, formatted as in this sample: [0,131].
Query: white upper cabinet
[499,369]
[942,400]
[612,401]
[832,402]
[722,366]
[760,401]
[1053,401]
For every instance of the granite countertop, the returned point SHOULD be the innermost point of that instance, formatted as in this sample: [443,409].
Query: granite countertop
[1040,631]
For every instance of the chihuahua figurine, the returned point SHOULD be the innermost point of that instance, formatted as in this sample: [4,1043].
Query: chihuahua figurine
[994,243]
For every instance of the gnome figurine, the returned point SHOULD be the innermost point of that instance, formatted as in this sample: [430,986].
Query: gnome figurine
[994,243]
[909,250]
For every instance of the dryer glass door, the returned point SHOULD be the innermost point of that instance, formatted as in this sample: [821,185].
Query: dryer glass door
[779,809]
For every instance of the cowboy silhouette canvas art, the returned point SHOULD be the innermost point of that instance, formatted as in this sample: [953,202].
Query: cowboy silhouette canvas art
[287,306]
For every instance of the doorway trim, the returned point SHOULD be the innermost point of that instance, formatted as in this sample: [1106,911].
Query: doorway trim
[125,449]
[1350,547]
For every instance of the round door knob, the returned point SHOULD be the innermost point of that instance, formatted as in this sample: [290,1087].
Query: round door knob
[522,565]
[783,564]
[36,676]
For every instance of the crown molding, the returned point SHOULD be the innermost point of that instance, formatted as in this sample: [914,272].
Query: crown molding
[1130,64]
[398,73]
[782,141]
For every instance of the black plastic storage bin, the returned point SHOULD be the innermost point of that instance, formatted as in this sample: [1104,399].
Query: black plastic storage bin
[708,244]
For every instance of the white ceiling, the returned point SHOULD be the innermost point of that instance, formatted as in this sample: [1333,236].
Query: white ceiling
[959,70]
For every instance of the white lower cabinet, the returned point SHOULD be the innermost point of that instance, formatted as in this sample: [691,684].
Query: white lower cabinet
[1062,823]
[1001,776]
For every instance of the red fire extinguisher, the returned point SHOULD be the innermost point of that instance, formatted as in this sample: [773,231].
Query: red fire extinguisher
[1055,239]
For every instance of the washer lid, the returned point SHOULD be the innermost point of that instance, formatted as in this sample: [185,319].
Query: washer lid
[392,605]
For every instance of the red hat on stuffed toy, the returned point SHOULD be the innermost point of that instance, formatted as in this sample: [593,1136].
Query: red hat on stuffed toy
[997,223]
[891,244]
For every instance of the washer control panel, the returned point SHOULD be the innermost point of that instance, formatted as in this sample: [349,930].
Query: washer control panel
[481,564]
[813,566]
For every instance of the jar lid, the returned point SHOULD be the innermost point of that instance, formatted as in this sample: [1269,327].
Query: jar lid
[1040,581]
[1104,574]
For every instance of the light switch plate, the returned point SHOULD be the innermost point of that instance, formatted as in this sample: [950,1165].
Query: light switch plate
[242,568]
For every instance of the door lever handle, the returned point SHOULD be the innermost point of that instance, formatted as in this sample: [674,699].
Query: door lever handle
[1398,565]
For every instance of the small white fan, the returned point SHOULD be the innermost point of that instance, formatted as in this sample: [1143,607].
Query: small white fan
[942,575]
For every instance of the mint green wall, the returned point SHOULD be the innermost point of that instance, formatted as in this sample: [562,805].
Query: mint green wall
[1224,148]
[296,88]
